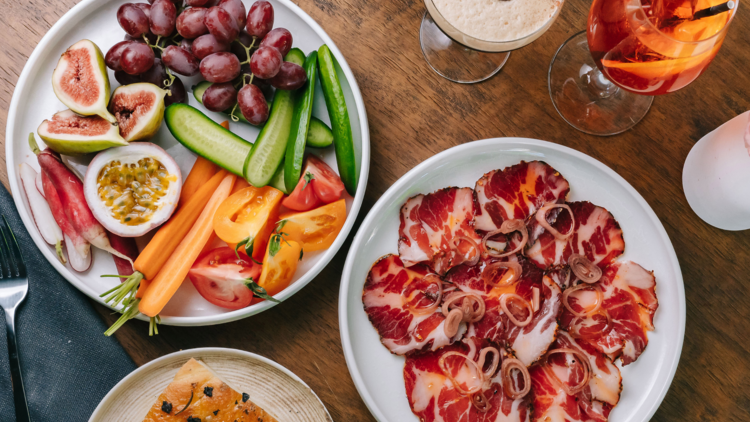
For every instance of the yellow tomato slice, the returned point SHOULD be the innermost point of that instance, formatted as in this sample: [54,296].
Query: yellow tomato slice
[245,213]
[315,229]
[278,270]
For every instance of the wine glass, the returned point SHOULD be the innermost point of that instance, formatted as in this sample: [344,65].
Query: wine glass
[602,81]
[472,48]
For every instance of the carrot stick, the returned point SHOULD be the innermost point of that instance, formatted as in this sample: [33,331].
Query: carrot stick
[202,171]
[174,271]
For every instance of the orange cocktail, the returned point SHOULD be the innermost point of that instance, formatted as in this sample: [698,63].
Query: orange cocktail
[654,47]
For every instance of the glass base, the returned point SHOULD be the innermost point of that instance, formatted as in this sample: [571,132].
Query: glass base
[454,61]
[585,98]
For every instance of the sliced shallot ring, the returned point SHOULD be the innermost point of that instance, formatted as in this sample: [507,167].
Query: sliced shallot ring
[479,401]
[473,315]
[603,332]
[508,226]
[585,270]
[541,218]
[490,269]
[452,322]
[449,375]
[535,299]
[495,361]
[587,312]
[571,391]
[508,388]
[504,305]
[477,251]
[430,309]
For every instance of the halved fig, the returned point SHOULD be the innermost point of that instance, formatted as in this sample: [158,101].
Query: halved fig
[80,80]
[139,109]
[70,134]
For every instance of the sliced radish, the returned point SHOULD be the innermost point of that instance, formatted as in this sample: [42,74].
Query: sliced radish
[77,262]
[41,211]
[74,239]
[40,185]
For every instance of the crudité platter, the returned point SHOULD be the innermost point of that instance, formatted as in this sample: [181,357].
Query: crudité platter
[269,228]
[445,301]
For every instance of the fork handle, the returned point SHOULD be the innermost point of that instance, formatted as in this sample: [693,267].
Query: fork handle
[19,395]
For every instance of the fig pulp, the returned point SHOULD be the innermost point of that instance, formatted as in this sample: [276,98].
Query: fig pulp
[139,109]
[70,134]
[80,80]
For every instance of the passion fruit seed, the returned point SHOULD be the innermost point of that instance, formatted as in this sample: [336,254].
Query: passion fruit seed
[131,192]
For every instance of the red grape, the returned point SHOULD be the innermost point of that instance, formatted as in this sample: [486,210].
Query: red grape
[136,58]
[221,24]
[187,45]
[150,37]
[145,7]
[180,60]
[163,17]
[266,62]
[260,19]
[112,58]
[280,39]
[205,45]
[253,104]
[190,23]
[132,19]
[220,97]
[291,76]
[125,79]
[236,9]
[245,39]
[220,67]
[179,95]
[156,75]
[196,3]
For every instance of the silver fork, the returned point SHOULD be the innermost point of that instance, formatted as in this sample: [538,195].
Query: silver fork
[13,288]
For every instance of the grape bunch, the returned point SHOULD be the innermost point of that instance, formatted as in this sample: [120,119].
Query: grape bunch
[240,54]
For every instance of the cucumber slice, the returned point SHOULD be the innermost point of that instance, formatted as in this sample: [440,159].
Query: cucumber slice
[207,138]
[319,135]
[278,181]
[295,147]
[269,149]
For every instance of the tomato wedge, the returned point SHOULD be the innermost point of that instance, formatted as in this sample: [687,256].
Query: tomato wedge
[318,184]
[279,264]
[246,215]
[316,229]
[224,279]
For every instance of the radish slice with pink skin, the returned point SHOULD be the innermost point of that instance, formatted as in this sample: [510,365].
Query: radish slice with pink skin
[78,262]
[40,185]
[127,246]
[75,240]
[41,211]
[70,190]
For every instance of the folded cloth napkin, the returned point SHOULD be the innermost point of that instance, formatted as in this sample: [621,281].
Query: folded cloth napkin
[68,365]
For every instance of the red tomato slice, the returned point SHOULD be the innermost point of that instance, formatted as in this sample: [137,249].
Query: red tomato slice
[219,276]
[326,183]
[302,198]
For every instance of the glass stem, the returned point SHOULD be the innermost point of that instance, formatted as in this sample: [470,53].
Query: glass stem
[598,84]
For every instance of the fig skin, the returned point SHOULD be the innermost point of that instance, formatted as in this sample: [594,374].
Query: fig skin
[100,77]
[145,125]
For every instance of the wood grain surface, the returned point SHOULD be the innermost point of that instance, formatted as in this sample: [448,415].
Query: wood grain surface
[414,114]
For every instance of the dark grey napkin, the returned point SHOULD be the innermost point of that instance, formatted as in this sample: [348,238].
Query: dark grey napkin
[68,365]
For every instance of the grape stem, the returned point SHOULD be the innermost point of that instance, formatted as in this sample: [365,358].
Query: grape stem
[247,49]
[155,45]
[232,115]
[170,81]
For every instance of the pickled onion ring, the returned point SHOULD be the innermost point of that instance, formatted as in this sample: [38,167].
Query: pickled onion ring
[571,290]
[585,270]
[479,401]
[541,218]
[504,305]
[430,309]
[452,322]
[489,271]
[508,387]
[508,226]
[495,361]
[571,391]
[477,254]
[456,384]
[467,306]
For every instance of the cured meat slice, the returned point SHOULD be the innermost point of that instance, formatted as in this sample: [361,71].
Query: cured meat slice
[529,342]
[433,397]
[517,192]
[620,327]
[401,304]
[437,229]
[596,235]
[595,400]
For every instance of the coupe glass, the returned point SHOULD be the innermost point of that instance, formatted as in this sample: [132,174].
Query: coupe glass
[602,81]
[465,59]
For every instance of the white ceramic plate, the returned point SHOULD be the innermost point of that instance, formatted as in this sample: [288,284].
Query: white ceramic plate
[34,100]
[378,374]
[271,386]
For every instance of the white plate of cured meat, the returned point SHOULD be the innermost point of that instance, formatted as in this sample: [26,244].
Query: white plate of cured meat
[512,280]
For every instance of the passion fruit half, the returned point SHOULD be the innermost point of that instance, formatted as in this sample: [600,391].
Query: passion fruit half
[132,189]
[80,80]
[139,109]
[71,134]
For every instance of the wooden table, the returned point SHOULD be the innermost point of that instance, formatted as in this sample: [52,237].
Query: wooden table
[415,114]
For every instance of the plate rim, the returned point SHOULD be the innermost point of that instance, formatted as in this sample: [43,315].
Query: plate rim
[406,180]
[196,352]
[225,317]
